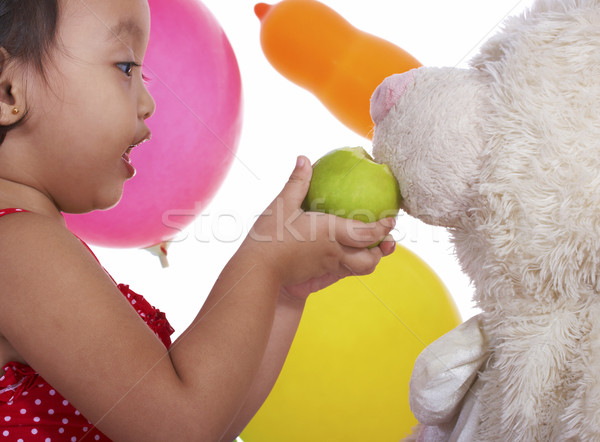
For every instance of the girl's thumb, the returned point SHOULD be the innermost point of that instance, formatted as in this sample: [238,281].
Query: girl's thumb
[299,182]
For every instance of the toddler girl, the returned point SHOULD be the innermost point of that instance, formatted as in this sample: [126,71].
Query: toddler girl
[80,356]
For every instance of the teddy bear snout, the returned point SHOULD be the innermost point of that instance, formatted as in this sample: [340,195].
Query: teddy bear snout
[388,93]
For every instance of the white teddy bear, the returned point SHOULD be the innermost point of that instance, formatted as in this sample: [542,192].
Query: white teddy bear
[506,155]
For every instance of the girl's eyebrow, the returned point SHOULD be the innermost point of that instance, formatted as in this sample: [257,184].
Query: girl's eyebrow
[126,28]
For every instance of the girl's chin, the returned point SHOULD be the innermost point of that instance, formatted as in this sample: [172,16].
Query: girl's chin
[113,202]
[105,196]
[104,203]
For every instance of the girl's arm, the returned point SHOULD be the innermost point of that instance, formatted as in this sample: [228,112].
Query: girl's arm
[66,318]
[287,318]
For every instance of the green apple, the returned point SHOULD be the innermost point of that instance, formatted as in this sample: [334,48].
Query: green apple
[347,182]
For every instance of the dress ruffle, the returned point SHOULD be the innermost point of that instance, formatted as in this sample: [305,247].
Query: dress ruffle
[17,378]
[153,317]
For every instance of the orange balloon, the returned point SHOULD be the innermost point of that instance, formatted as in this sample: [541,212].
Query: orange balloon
[316,48]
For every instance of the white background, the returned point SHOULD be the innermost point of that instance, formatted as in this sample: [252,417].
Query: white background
[281,121]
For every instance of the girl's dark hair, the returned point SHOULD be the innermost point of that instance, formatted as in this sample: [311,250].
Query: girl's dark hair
[27,33]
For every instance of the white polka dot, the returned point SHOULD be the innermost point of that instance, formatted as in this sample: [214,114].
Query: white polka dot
[5,433]
[73,439]
[25,393]
[85,429]
[7,418]
[52,392]
[36,419]
[2,378]
[23,411]
[65,421]
[9,403]
[61,430]
[97,437]
[38,402]
[34,431]
[47,440]
[77,413]
[51,411]
[65,402]
[20,440]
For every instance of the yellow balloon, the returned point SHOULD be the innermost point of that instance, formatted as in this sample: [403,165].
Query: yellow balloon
[346,376]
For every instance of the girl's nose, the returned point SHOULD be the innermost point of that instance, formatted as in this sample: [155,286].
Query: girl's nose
[388,93]
[147,105]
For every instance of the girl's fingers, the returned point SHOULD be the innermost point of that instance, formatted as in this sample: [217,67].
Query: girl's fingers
[388,245]
[357,234]
[360,261]
[296,188]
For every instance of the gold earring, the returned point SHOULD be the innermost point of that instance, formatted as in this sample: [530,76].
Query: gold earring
[15,110]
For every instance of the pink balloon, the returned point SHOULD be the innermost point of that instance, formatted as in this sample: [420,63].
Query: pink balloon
[195,81]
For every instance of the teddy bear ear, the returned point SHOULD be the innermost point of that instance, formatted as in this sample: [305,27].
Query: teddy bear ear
[388,93]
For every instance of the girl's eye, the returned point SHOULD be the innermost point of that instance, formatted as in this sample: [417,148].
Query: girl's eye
[127,67]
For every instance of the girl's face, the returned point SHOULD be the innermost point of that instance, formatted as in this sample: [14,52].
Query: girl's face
[93,107]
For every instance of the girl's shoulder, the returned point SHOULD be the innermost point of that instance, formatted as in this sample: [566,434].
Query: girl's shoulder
[42,263]
[65,316]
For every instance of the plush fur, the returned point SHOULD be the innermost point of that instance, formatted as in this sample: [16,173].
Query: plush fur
[507,156]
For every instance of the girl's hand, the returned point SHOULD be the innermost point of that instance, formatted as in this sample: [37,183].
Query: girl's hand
[308,251]
[302,290]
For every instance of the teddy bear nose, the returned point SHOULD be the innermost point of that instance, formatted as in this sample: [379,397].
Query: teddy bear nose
[388,93]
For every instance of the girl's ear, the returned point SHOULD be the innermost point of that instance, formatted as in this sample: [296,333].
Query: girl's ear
[12,97]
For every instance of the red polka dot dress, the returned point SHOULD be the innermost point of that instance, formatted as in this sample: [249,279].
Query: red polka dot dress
[32,411]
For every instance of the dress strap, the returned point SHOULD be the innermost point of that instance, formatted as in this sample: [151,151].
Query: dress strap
[11,210]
